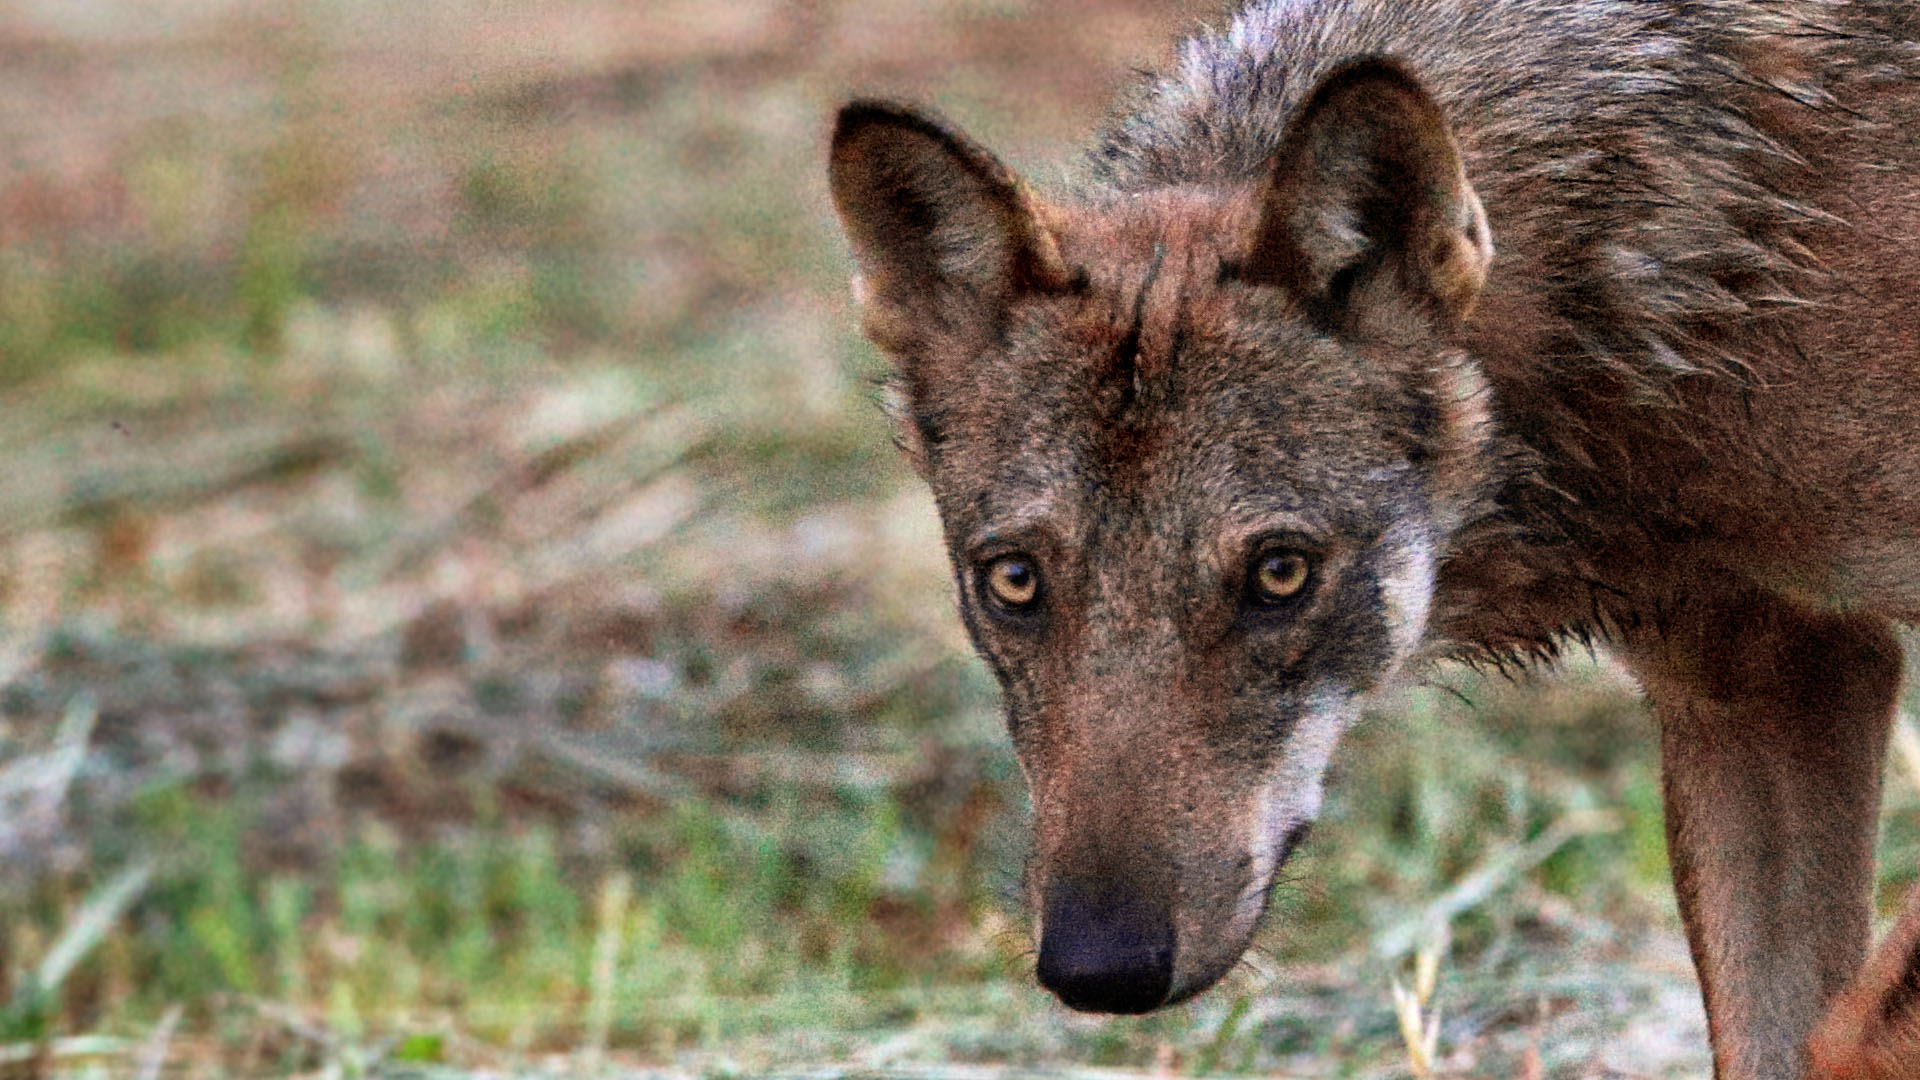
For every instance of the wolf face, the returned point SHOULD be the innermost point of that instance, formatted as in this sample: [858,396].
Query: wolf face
[1198,453]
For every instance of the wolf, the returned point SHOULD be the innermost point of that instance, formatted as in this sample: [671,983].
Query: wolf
[1378,332]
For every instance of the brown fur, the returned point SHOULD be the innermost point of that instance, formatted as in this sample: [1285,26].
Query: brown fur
[1516,320]
[1872,1032]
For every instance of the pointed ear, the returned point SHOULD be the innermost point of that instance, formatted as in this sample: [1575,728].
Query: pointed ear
[942,231]
[1368,191]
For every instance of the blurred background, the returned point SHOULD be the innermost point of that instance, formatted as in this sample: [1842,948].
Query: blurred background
[461,612]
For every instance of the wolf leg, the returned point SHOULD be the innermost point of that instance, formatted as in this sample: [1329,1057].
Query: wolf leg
[1773,729]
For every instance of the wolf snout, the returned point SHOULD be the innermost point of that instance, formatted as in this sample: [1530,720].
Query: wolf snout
[1106,949]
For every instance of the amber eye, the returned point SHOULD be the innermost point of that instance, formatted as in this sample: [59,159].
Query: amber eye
[1013,582]
[1280,575]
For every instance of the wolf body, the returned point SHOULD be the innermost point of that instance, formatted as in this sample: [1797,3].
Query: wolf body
[1385,330]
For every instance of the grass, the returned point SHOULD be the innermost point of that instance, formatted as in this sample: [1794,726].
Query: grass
[460,613]
[804,917]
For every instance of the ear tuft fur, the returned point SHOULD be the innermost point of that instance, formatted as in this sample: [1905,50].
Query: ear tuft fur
[1367,190]
[932,216]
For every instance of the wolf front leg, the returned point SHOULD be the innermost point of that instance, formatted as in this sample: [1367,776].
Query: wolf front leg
[1773,729]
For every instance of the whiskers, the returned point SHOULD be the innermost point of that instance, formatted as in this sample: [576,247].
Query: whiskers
[1250,976]
[1016,954]
[1283,884]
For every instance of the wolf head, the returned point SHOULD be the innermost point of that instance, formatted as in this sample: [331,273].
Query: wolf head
[1197,452]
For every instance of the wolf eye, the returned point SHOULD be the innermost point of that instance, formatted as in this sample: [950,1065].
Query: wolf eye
[1279,576]
[1013,583]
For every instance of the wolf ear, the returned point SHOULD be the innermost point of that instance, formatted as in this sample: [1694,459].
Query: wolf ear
[938,225]
[1368,191]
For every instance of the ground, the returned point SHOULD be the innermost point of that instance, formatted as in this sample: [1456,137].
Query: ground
[461,613]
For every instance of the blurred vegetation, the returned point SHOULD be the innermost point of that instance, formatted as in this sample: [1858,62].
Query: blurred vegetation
[460,610]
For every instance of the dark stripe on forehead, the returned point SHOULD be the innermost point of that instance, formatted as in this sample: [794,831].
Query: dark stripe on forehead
[1125,368]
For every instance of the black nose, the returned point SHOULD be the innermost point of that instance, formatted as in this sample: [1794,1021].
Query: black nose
[1105,950]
